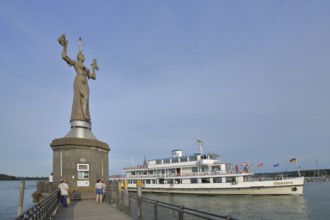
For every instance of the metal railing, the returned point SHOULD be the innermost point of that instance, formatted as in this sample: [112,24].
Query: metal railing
[144,208]
[42,210]
[140,208]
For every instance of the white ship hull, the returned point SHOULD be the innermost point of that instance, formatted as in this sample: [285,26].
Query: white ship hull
[203,174]
[292,186]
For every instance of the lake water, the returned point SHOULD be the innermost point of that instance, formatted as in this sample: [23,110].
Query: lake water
[9,194]
[314,204]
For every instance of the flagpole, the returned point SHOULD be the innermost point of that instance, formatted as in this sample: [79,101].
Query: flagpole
[298,167]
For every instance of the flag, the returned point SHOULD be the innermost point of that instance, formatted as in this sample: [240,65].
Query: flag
[260,164]
[276,165]
[293,160]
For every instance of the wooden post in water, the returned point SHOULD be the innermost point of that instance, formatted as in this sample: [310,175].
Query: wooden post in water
[139,195]
[21,198]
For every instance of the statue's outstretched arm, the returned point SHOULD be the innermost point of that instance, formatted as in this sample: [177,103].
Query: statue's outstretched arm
[64,43]
[67,58]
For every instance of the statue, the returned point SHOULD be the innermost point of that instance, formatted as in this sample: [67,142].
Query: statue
[80,104]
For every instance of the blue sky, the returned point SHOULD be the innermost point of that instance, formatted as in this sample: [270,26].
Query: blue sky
[250,78]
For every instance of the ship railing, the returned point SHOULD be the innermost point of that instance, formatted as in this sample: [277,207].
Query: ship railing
[214,173]
[44,209]
[136,167]
[145,208]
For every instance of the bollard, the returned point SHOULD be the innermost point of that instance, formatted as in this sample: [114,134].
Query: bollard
[21,198]
[139,188]
[139,195]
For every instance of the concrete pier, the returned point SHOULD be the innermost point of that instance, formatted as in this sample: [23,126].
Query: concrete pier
[88,209]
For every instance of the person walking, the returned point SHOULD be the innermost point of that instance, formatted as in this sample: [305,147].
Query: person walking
[51,178]
[99,191]
[50,183]
[64,188]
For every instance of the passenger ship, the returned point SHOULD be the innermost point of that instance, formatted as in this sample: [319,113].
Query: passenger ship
[204,174]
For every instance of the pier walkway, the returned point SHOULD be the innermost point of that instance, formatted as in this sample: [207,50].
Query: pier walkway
[88,209]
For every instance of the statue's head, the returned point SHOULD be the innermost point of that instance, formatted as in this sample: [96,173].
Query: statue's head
[80,56]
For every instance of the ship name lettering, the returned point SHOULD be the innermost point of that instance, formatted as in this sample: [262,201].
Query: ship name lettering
[283,183]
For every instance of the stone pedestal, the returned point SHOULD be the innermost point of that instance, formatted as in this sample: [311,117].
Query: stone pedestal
[79,160]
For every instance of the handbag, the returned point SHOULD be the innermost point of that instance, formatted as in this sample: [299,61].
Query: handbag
[68,201]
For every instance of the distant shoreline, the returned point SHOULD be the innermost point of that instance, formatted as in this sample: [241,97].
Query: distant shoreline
[8,177]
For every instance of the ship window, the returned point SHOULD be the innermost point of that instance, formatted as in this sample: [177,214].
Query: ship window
[217,180]
[230,179]
[158,161]
[215,169]
[193,158]
[203,157]
[183,159]
[194,169]
[175,160]
[166,160]
[204,169]
[205,180]
[193,180]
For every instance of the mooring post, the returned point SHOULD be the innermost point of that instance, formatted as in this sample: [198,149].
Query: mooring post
[139,199]
[21,198]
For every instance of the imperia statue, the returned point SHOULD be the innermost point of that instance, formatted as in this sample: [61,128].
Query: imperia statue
[80,104]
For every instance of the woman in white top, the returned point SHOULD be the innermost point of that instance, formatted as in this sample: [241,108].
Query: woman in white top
[64,187]
[99,191]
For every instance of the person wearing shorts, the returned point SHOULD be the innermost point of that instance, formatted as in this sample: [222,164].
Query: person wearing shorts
[99,191]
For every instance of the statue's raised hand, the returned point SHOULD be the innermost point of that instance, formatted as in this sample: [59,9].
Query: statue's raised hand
[62,40]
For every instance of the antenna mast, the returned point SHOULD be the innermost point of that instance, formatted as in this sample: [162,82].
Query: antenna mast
[200,144]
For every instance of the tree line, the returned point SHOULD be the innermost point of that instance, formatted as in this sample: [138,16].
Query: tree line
[8,177]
